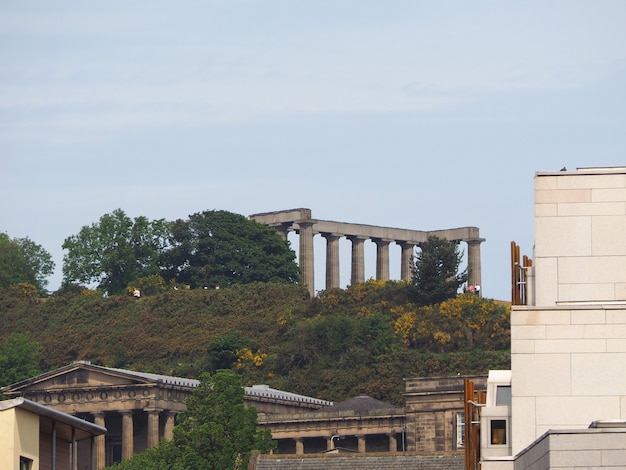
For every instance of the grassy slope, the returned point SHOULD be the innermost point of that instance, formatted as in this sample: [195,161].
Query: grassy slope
[331,347]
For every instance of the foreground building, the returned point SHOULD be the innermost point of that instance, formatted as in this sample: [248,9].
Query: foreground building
[35,437]
[563,404]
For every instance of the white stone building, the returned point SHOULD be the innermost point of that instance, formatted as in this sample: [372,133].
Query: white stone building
[568,343]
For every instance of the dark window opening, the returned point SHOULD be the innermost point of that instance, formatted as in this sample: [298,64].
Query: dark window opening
[26,463]
[498,431]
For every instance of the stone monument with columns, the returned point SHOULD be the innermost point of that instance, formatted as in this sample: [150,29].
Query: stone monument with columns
[301,222]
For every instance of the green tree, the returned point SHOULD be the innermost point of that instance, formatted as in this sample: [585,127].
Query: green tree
[220,248]
[222,351]
[115,251]
[215,432]
[436,274]
[19,359]
[24,261]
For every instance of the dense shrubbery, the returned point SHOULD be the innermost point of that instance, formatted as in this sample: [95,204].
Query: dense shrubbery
[367,337]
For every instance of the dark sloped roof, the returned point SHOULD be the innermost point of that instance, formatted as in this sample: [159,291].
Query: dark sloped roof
[360,404]
[261,392]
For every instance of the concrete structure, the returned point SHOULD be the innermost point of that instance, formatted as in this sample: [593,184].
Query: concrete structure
[568,344]
[300,221]
[35,437]
[137,408]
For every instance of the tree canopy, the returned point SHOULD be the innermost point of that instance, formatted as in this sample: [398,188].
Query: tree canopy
[19,359]
[220,248]
[210,249]
[215,432]
[436,274]
[24,261]
[115,251]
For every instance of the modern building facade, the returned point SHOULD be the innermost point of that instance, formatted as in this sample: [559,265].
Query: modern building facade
[568,343]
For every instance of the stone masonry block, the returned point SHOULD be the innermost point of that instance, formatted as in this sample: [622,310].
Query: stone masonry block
[532,332]
[608,194]
[595,373]
[540,317]
[591,208]
[541,374]
[546,210]
[603,181]
[584,459]
[522,346]
[563,236]
[588,316]
[589,292]
[571,345]
[592,270]
[616,345]
[562,195]
[608,234]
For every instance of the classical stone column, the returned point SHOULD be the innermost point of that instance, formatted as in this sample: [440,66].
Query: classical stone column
[99,442]
[358,260]
[382,259]
[332,260]
[393,442]
[330,443]
[153,428]
[170,418]
[306,255]
[473,261]
[283,229]
[361,443]
[299,445]
[127,435]
[406,261]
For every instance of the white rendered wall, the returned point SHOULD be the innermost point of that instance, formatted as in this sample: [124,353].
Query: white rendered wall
[568,351]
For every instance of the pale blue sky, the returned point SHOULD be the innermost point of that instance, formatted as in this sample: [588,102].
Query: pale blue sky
[412,114]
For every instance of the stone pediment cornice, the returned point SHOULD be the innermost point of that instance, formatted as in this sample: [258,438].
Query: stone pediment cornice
[85,376]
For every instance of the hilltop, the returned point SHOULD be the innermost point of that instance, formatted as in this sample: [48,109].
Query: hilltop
[368,337]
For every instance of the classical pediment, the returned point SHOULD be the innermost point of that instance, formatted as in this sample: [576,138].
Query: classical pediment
[79,375]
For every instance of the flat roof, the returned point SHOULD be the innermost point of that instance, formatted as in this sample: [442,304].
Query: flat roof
[84,429]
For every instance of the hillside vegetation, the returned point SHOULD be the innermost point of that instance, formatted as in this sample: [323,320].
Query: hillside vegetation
[365,338]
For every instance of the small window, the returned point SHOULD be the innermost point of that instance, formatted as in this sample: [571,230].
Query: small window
[26,463]
[460,430]
[498,431]
[115,453]
[503,395]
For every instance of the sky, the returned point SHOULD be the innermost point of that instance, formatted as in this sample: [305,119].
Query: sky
[411,114]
